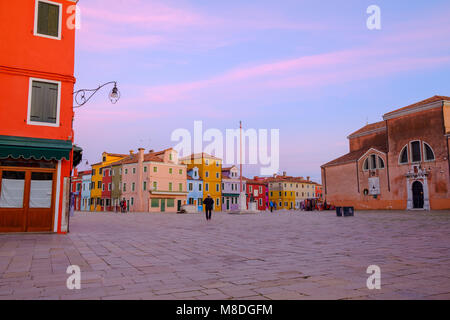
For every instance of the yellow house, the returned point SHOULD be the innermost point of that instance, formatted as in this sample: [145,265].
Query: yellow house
[282,193]
[97,178]
[210,171]
[287,192]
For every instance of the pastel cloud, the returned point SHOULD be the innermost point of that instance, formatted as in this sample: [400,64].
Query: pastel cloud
[125,24]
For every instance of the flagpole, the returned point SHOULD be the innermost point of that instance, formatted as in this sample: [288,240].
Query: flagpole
[240,174]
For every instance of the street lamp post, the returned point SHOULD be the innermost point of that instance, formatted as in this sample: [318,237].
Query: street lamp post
[82,96]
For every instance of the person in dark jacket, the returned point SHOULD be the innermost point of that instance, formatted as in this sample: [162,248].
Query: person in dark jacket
[209,204]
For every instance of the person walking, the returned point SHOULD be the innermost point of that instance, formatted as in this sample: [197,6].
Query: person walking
[271,206]
[209,204]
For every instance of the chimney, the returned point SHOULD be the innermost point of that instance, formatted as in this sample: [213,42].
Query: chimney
[284,173]
[141,155]
[75,172]
[131,152]
[152,150]
[307,178]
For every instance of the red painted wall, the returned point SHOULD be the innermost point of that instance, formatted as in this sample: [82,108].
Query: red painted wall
[261,195]
[24,55]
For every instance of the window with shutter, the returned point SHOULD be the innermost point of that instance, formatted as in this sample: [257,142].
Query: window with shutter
[44,102]
[48,14]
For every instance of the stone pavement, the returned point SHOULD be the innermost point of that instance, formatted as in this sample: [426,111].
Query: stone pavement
[283,255]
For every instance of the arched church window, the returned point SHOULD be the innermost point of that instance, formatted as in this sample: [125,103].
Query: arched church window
[429,154]
[380,163]
[404,155]
[415,151]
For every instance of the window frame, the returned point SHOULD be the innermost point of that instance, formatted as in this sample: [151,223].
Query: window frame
[58,103]
[425,153]
[36,17]
[411,152]
[407,153]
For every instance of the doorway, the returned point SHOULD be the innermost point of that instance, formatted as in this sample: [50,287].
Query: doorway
[27,198]
[417,191]
[163,205]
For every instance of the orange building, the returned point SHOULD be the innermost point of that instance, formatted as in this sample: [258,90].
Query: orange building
[36,113]
[401,162]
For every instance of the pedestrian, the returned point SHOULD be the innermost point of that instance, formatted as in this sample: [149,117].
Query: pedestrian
[271,206]
[124,206]
[209,204]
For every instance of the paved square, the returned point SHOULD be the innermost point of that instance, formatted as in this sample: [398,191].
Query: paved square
[283,255]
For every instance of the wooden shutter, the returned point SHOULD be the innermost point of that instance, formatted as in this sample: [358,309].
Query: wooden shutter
[44,102]
[37,102]
[52,103]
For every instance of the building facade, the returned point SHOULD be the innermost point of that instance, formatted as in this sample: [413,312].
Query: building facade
[289,192]
[116,187]
[256,190]
[401,162]
[86,190]
[195,189]
[36,133]
[75,189]
[210,171]
[98,195]
[106,202]
[154,182]
[230,188]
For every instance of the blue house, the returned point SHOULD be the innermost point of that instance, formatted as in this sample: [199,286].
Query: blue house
[86,191]
[195,188]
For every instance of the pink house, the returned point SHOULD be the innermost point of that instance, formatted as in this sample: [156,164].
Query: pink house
[154,181]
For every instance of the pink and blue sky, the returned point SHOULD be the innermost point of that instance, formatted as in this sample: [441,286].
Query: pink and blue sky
[309,68]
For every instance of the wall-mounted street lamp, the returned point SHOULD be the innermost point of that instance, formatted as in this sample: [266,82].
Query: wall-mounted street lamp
[81,97]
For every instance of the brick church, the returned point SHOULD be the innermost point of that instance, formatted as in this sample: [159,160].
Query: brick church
[401,162]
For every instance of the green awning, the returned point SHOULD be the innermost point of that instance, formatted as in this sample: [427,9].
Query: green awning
[38,149]
[230,194]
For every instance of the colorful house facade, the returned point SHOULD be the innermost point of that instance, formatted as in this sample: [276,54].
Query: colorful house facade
[230,188]
[36,108]
[98,196]
[106,189]
[210,171]
[154,182]
[256,190]
[86,191]
[289,192]
[75,189]
[195,189]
